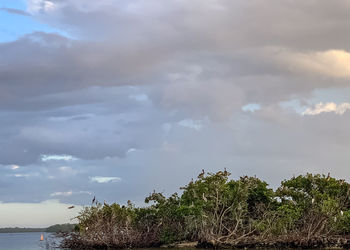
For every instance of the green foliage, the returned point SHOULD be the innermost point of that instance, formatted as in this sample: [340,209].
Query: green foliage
[319,201]
[61,228]
[287,216]
[216,209]
[222,207]
[344,222]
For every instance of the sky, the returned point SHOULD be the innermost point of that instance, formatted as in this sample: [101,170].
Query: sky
[116,98]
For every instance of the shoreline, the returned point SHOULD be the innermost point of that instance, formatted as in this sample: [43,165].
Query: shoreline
[324,243]
[313,243]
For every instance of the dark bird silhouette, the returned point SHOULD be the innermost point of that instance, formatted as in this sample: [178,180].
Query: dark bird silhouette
[201,174]
[328,176]
[70,207]
[93,200]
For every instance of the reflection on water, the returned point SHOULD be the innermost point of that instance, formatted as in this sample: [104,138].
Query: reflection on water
[26,241]
[31,241]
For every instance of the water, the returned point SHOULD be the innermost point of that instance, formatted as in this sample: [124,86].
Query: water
[25,241]
[31,241]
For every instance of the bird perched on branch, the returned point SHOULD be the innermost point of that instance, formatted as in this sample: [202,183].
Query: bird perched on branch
[93,200]
[204,198]
[201,175]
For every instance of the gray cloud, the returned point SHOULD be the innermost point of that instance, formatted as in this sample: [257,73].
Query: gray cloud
[152,92]
[15,11]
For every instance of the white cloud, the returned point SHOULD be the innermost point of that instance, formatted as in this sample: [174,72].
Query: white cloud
[24,175]
[189,123]
[102,179]
[66,170]
[36,6]
[327,107]
[139,97]
[68,193]
[14,167]
[21,175]
[58,158]
[130,150]
[251,107]
[334,63]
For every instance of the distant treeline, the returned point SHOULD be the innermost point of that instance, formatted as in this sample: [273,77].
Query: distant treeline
[21,230]
[53,229]
[305,211]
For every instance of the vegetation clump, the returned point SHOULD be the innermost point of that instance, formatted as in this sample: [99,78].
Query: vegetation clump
[215,211]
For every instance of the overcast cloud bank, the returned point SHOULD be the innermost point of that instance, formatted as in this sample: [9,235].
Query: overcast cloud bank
[131,96]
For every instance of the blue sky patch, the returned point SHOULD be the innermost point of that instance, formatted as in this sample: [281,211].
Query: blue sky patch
[14,25]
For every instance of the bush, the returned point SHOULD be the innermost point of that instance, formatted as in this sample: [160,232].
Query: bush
[218,211]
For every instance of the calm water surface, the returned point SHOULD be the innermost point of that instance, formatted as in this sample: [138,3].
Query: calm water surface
[25,241]
[31,241]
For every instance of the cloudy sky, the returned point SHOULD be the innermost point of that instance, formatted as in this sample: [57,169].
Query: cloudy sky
[116,98]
